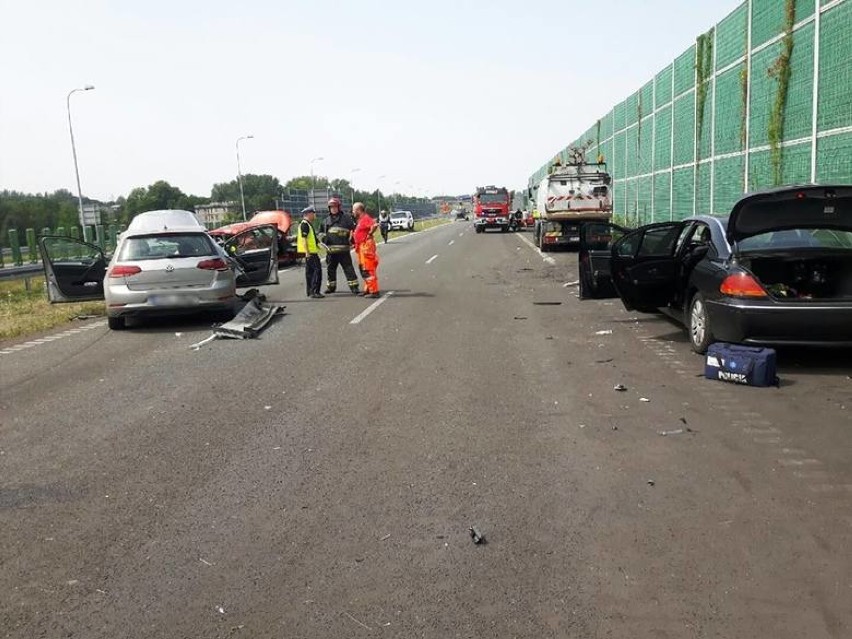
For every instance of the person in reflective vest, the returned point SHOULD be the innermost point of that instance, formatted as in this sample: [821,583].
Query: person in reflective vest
[365,249]
[306,244]
[337,236]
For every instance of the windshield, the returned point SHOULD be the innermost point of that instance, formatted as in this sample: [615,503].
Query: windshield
[155,247]
[399,216]
[798,238]
[493,198]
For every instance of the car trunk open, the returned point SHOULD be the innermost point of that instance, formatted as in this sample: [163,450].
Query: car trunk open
[790,277]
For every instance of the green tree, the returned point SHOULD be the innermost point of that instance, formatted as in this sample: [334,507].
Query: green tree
[261,193]
[157,196]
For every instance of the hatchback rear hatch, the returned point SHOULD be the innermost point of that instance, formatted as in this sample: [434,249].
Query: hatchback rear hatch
[170,260]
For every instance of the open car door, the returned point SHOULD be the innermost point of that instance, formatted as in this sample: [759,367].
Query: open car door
[596,240]
[255,253]
[643,266]
[73,270]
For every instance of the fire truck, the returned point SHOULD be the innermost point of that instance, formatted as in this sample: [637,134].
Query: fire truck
[574,192]
[491,208]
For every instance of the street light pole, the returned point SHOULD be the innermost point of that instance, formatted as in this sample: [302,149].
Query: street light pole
[313,179]
[88,87]
[351,187]
[379,190]
[240,174]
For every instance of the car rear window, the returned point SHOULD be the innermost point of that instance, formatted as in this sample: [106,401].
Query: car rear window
[166,245]
[798,238]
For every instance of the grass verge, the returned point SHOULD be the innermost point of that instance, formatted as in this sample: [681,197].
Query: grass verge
[421,225]
[24,312]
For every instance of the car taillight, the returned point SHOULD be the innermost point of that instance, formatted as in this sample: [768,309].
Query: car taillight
[216,264]
[122,270]
[742,285]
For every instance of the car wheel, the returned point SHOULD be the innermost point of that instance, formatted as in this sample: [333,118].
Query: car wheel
[116,323]
[698,324]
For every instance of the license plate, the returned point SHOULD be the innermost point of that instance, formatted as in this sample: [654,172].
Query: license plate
[574,238]
[170,300]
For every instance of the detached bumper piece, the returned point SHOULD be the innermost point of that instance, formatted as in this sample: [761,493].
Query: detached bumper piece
[250,321]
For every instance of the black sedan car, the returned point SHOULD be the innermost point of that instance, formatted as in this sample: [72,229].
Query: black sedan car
[778,270]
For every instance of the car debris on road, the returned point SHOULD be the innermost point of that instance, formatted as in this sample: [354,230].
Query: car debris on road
[477,537]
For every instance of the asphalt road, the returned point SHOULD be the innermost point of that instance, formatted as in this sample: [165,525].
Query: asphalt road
[320,481]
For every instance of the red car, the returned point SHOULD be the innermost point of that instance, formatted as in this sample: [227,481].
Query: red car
[280,219]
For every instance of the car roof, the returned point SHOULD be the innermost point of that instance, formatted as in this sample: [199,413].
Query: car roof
[169,220]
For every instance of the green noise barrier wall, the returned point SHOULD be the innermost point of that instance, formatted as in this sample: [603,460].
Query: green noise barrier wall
[762,99]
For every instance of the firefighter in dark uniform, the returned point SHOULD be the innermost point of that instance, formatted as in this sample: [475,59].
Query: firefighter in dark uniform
[337,236]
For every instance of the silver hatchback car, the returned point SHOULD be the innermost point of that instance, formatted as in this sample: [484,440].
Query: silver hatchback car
[165,263]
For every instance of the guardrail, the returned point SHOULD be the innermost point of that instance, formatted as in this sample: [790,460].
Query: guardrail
[23,250]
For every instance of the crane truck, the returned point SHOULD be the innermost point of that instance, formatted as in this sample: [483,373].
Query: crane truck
[575,192]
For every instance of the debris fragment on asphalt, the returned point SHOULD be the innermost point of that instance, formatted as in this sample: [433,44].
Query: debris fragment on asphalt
[651,482]
[84,317]
[220,610]
[677,431]
[385,538]
[267,408]
[519,317]
[683,420]
[477,537]
[604,361]
[178,334]
[614,427]
[198,345]
[363,625]
[644,399]
[607,331]
[619,387]
[248,323]
[574,283]
[546,303]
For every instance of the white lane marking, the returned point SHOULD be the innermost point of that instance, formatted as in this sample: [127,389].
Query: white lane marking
[50,338]
[451,242]
[546,258]
[372,307]
[432,259]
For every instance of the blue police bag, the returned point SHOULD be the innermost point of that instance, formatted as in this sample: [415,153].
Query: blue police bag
[747,365]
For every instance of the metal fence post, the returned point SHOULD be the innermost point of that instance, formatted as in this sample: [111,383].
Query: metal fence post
[31,246]
[112,236]
[100,238]
[63,246]
[15,245]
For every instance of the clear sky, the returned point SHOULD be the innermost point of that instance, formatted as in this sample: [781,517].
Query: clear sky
[439,95]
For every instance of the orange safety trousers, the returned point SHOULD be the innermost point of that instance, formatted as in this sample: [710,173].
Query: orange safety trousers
[368,261]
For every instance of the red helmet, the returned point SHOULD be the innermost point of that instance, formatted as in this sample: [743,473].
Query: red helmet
[334,202]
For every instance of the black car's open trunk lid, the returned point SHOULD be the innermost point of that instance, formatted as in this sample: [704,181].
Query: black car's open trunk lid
[795,207]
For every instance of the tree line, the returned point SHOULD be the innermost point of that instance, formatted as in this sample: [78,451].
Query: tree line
[262,192]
